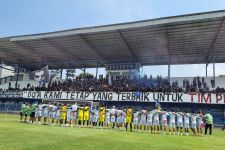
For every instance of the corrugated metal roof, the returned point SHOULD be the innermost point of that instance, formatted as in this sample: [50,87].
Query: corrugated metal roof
[186,39]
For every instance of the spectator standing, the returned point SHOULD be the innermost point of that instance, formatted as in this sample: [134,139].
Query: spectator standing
[208,123]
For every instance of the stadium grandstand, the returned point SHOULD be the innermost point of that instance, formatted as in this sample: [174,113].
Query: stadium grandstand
[122,49]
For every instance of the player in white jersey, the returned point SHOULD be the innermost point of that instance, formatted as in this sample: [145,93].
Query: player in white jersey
[172,122]
[149,122]
[155,121]
[135,119]
[40,113]
[193,122]
[118,118]
[95,117]
[58,114]
[186,123]
[143,119]
[179,123]
[36,113]
[45,112]
[74,115]
[91,120]
[68,115]
[124,115]
[113,116]
[53,114]
[199,123]
[50,113]
[107,118]
[163,121]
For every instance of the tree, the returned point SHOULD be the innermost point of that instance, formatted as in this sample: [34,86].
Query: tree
[85,76]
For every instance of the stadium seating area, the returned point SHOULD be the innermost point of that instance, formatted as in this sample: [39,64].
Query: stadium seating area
[158,84]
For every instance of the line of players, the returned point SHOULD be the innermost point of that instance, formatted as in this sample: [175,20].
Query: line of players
[151,121]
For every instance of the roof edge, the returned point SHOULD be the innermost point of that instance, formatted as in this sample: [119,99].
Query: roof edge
[119,26]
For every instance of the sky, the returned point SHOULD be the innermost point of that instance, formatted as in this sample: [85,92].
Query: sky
[21,17]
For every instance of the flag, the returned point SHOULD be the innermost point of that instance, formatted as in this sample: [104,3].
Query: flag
[109,79]
[137,94]
[42,75]
[157,105]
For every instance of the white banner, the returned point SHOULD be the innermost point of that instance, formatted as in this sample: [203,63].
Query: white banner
[206,98]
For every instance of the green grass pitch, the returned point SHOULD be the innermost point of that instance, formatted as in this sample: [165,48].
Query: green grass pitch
[23,136]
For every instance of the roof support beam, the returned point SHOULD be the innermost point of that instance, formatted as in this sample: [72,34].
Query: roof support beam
[169,69]
[168,28]
[10,54]
[211,51]
[133,55]
[60,49]
[100,63]
[91,46]
[29,50]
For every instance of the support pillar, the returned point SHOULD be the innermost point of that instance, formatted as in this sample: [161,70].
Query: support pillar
[96,75]
[61,72]
[169,69]
[17,74]
[214,71]
[84,71]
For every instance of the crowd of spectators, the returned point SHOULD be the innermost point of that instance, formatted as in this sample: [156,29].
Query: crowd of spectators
[144,84]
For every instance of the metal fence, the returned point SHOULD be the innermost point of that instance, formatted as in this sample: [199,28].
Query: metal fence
[9,107]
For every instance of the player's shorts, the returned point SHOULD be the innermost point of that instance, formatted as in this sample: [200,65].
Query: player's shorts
[149,122]
[155,122]
[164,123]
[80,118]
[36,114]
[128,120]
[53,115]
[57,116]
[91,118]
[73,115]
[119,120]
[107,120]
[135,121]
[45,114]
[198,124]
[180,124]
[32,115]
[86,117]
[63,116]
[39,113]
[186,125]
[172,124]
[68,117]
[102,118]
[142,122]
[193,125]
[50,115]
[113,119]
[95,119]
[124,119]
[21,114]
